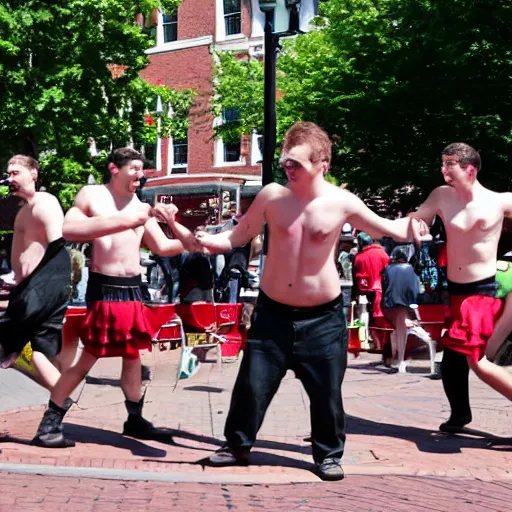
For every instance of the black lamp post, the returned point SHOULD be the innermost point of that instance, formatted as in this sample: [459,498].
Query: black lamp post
[271,46]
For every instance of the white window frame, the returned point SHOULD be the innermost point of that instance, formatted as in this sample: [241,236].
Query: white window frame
[170,158]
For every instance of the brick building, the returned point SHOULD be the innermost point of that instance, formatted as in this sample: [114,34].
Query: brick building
[183,58]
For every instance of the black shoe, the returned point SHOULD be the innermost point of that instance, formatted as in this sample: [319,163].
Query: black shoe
[139,428]
[330,469]
[225,456]
[50,433]
[455,425]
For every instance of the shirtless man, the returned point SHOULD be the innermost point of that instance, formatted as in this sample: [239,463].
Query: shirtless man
[473,218]
[42,269]
[116,323]
[298,322]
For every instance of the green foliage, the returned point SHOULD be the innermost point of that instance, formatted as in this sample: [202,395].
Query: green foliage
[238,85]
[394,81]
[4,191]
[56,89]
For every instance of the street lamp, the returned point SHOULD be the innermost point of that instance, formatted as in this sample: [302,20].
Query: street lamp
[297,14]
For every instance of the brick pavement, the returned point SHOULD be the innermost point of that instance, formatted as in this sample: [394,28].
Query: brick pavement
[391,431]
[356,493]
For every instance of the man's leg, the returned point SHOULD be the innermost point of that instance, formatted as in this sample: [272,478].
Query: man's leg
[131,384]
[320,361]
[493,375]
[47,371]
[455,376]
[50,432]
[402,314]
[263,367]
[502,329]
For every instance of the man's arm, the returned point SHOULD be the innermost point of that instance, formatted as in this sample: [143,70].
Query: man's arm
[156,241]
[360,216]
[507,204]
[250,225]
[167,213]
[80,226]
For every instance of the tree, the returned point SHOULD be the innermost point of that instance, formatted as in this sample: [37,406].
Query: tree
[56,89]
[394,81]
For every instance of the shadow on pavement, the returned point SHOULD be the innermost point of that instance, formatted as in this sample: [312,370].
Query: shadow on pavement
[86,434]
[102,381]
[427,441]
[257,458]
[206,389]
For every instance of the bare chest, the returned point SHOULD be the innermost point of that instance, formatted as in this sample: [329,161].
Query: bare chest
[108,208]
[27,227]
[472,221]
[312,224]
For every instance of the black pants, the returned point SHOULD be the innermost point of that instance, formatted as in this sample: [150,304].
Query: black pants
[455,375]
[313,343]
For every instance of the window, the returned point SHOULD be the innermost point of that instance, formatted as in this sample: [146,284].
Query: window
[180,148]
[150,156]
[232,152]
[232,148]
[170,25]
[232,16]
[230,115]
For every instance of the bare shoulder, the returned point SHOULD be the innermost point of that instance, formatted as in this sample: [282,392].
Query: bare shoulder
[44,198]
[46,203]
[89,194]
[273,190]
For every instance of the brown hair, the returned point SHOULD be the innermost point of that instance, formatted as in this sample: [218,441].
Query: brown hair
[467,155]
[305,132]
[120,157]
[26,161]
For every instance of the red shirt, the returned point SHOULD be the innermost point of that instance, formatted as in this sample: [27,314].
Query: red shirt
[368,266]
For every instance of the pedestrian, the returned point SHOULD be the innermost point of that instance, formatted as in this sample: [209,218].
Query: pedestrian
[400,289]
[369,263]
[42,271]
[298,322]
[117,222]
[473,217]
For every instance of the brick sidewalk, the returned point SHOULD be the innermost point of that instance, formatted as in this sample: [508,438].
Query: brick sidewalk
[391,427]
[356,493]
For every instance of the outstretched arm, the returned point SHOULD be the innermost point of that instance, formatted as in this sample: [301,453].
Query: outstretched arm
[361,217]
[250,225]
[156,241]
[167,213]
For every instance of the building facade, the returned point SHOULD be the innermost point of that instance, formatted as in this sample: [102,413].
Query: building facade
[184,58]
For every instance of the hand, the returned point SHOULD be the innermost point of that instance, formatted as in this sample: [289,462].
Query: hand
[165,212]
[420,230]
[135,218]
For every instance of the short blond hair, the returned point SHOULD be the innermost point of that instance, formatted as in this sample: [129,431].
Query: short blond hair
[26,161]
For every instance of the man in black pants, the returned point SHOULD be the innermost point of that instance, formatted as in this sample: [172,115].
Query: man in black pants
[298,322]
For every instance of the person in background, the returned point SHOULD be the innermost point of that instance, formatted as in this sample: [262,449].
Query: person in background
[369,263]
[400,286]
[196,276]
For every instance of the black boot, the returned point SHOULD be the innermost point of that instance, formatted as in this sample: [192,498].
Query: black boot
[139,428]
[50,433]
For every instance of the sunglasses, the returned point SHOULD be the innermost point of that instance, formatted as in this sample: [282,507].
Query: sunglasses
[289,163]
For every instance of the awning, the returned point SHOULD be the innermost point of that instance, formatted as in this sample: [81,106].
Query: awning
[206,188]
